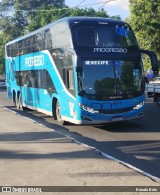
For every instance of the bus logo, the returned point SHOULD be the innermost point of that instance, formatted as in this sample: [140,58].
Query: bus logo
[122,31]
[112,50]
[34,61]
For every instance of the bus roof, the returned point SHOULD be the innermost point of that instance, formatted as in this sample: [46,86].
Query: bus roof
[90,19]
[69,20]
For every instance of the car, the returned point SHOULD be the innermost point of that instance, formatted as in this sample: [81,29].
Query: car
[2,84]
[150,87]
[155,80]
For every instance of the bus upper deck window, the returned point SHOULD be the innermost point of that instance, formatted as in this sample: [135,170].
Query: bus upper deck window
[86,37]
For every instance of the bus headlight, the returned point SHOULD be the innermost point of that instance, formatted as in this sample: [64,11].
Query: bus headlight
[138,106]
[88,109]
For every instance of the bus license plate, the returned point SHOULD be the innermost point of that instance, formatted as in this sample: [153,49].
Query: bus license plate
[118,118]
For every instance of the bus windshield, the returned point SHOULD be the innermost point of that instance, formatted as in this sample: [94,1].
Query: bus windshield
[104,36]
[104,79]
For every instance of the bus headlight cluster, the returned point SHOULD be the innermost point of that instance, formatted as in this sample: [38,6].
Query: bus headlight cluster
[88,109]
[138,106]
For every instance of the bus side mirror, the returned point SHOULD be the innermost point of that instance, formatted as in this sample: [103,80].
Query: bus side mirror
[153,57]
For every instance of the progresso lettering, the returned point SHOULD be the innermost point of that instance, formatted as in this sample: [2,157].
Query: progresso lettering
[112,50]
[34,61]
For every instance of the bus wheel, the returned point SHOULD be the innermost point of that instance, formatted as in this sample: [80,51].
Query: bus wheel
[20,102]
[17,102]
[58,114]
[21,107]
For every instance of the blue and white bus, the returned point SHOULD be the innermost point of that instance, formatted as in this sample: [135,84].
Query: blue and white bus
[82,70]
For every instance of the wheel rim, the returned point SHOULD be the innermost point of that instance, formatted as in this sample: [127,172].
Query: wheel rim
[58,114]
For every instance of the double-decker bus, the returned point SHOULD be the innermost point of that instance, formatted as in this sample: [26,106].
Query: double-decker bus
[82,70]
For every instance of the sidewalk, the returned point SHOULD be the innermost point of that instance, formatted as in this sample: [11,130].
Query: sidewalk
[33,155]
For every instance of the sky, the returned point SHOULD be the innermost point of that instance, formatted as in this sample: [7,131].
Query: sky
[114,7]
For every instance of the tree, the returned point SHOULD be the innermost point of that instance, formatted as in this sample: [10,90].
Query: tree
[15,17]
[15,14]
[146,24]
[2,41]
[19,17]
[43,17]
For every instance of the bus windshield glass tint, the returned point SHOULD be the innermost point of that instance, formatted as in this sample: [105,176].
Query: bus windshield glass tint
[109,78]
[104,36]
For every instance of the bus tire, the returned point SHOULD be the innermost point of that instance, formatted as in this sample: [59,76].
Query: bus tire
[54,102]
[58,114]
[17,101]
[14,98]
[19,104]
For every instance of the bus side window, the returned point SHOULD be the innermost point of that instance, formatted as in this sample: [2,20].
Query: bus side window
[20,48]
[43,80]
[31,44]
[28,82]
[48,39]
[11,48]
[24,46]
[61,36]
[8,50]
[50,85]
[34,49]
[38,41]
[28,45]
[70,79]
[14,49]
[32,78]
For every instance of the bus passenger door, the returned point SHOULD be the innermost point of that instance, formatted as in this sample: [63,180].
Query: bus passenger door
[44,90]
[68,78]
[65,81]
[29,88]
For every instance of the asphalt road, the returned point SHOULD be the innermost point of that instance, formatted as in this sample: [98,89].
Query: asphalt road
[135,142]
